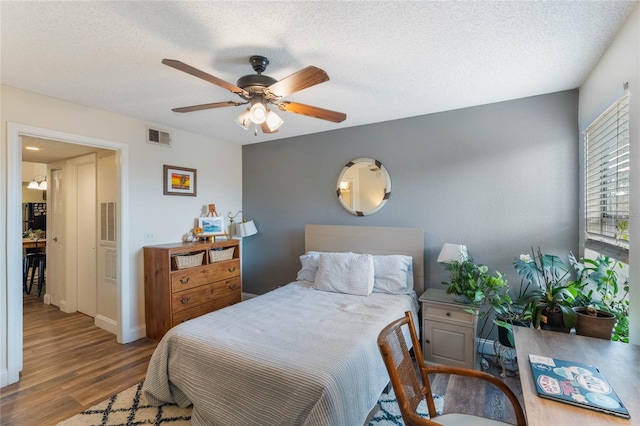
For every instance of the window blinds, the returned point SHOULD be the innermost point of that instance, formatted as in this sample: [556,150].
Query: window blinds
[607,175]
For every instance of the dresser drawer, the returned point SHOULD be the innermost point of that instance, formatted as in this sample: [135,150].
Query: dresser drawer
[205,308]
[446,313]
[205,293]
[194,277]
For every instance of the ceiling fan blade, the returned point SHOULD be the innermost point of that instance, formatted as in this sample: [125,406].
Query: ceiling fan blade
[306,77]
[207,106]
[181,66]
[311,111]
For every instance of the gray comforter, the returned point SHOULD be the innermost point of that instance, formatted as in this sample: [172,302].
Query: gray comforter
[294,356]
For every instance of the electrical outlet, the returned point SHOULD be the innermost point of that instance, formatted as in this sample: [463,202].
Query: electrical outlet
[149,237]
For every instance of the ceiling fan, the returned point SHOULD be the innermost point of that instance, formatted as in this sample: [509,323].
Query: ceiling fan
[260,91]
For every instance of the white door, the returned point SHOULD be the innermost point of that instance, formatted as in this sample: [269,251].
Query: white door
[56,232]
[86,237]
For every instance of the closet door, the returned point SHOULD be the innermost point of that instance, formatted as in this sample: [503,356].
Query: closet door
[86,232]
[56,237]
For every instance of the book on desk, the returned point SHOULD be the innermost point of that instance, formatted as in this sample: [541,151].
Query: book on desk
[576,384]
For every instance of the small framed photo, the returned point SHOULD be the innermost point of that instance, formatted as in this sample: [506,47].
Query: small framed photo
[179,181]
[211,225]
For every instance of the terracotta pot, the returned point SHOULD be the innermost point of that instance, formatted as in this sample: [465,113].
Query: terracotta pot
[600,326]
[552,320]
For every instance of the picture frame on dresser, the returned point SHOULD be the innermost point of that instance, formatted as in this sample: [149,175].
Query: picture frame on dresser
[179,181]
[211,226]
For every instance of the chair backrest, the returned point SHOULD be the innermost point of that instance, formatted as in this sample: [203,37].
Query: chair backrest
[409,382]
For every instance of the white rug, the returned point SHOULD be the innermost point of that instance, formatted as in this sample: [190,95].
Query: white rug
[130,408]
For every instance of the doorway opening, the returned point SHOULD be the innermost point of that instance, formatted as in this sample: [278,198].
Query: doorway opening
[14,324]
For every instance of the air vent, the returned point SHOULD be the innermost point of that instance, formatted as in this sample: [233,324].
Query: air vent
[158,137]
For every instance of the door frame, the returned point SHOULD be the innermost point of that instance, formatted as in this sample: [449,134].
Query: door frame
[13,307]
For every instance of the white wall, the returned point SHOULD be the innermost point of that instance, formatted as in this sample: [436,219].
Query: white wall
[620,64]
[219,177]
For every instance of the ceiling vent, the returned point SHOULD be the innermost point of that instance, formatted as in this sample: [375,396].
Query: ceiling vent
[158,137]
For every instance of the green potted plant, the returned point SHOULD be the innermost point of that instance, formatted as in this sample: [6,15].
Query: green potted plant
[553,293]
[473,284]
[604,315]
[512,311]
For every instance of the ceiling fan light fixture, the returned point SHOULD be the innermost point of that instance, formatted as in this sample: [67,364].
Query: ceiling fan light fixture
[258,113]
[244,120]
[273,121]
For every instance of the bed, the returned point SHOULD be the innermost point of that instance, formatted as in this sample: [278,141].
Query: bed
[300,354]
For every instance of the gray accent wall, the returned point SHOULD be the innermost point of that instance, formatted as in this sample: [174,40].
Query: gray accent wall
[500,178]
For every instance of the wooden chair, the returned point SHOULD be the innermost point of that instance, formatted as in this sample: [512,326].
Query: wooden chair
[411,385]
[32,260]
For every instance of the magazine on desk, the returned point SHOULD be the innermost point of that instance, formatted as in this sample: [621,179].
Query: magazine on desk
[574,383]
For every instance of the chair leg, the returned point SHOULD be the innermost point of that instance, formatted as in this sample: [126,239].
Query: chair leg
[25,274]
[41,279]
[35,264]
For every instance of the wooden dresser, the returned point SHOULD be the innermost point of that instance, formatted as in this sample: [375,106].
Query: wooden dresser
[173,295]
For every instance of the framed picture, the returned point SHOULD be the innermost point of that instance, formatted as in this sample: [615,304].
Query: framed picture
[179,181]
[211,225]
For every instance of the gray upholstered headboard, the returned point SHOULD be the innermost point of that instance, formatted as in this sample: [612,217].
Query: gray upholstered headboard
[372,240]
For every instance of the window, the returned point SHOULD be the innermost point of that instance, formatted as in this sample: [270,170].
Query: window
[607,177]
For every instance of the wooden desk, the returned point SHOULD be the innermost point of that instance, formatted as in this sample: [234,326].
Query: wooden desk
[618,362]
[29,243]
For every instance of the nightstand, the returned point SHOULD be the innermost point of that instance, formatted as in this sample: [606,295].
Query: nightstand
[448,331]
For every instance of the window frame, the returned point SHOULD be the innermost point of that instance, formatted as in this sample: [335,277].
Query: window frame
[606,180]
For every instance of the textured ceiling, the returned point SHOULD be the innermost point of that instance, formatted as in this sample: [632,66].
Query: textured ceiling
[385,60]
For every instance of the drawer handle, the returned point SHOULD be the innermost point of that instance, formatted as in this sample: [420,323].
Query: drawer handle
[427,341]
[232,286]
[184,300]
[448,314]
[231,269]
[184,280]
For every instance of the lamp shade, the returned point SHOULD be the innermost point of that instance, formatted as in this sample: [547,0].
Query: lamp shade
[258,113]
[33,184]
[246,229]
[273,122]
[453,252]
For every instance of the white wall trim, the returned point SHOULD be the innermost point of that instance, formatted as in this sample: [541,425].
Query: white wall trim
[13,325]
[106,324]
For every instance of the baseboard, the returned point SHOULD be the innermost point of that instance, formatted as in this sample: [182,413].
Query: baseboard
[247,296]
[4,377]
[135,333]
[106,324]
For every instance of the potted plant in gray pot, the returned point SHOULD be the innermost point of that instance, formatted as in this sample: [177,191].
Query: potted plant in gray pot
[599,312]
[512,311]
[553,291]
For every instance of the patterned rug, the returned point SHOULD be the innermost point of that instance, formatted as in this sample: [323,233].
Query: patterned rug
[130,408]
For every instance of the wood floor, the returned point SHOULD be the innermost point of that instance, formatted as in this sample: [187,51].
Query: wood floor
[70,365]
[472,396]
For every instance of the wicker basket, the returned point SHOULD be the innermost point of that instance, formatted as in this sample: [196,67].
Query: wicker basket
[188,261]
[218,255]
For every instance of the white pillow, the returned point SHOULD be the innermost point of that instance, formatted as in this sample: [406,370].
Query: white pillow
[393,274]
[309,262]
[348,273]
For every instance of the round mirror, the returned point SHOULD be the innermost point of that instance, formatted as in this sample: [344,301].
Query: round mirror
[364,186]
